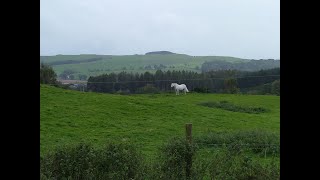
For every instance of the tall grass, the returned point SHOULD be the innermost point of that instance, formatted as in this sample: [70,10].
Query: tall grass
[257,141]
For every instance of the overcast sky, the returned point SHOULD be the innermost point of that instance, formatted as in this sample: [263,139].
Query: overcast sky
[239,28]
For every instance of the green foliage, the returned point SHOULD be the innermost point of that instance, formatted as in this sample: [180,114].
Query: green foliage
[263,89]
[47,75]
[174,158]
[257,141]
[230,86]
[223,81]
[119,161]
[149,89]
[124,161]
[201,90]
[115,161]
[275,89]
[232,107]
[123,92]
[267,88]
[236,165]
[69,162]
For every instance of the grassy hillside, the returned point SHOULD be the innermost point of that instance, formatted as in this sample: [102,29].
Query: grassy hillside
[131,63]
[68,117]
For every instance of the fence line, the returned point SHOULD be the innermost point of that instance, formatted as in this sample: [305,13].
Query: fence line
[182,79]
[227,144]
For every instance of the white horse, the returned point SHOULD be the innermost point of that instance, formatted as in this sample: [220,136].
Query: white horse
[181,87]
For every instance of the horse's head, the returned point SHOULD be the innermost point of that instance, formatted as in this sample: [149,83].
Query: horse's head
[173,84]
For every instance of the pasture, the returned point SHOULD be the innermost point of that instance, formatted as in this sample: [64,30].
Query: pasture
[148,120]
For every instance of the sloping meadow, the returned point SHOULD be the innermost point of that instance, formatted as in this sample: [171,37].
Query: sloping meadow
[105,136]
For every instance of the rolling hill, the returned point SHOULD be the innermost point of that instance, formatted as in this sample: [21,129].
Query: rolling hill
[93,65]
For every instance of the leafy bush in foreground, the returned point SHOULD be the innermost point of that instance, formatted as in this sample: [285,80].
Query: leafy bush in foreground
[115,161]
[176,159]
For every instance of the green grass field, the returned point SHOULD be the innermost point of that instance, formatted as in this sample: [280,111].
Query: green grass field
[69,117]
[131,63]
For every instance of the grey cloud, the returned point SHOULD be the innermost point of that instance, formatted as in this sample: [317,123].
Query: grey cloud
[240,28]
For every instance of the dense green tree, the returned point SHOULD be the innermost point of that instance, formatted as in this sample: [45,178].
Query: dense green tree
[230,86]
[226,81]
[275,88]
[47,74]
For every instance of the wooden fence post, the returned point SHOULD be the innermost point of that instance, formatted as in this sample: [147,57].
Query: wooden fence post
[189,132]
[189,153]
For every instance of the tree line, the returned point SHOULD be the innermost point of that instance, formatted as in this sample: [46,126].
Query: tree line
[219,81]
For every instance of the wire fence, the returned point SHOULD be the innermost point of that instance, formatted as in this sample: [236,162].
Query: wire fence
[260,149]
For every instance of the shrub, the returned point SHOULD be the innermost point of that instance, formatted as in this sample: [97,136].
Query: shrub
[124,161]
[275,88]
[173,158]
[201,90]
[228,165]
[115,161]
[47,74]
[69,162]
[230,86]
[235,108]
[119,161]
[149,88]
[123,92]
